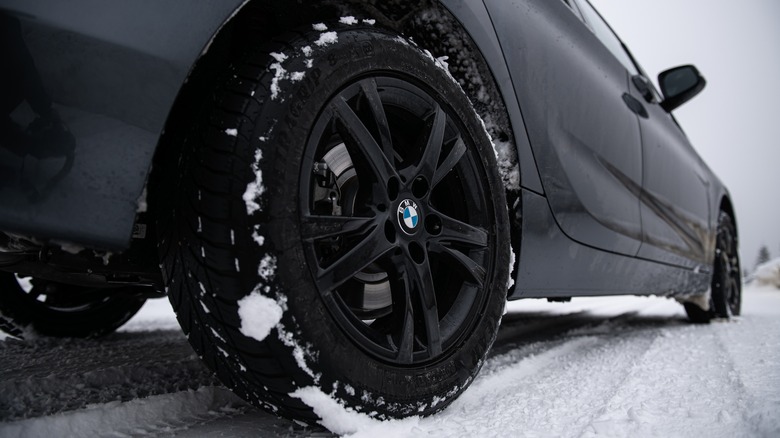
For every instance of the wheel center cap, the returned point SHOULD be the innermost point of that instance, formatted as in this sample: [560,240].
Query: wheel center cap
[408,216]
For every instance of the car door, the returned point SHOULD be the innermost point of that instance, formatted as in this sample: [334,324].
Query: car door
[571,85]
[675,202]
[675,181]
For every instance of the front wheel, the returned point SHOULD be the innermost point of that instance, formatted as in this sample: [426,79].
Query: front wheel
[343,229]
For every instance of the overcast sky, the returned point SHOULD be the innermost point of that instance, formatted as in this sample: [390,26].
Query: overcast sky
[734,123]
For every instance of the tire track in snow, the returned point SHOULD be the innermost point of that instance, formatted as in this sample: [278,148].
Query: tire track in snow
[519,328]
[551,388]
[750,371]
[144,416]
[48,376]
[677,390]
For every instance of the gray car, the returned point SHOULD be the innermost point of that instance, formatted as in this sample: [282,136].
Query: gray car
[340,196]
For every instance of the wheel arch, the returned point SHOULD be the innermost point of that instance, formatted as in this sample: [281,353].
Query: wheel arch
[431,25]
[728,208]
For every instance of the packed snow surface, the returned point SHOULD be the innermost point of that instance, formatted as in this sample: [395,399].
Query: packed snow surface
[620,366]
[768,274]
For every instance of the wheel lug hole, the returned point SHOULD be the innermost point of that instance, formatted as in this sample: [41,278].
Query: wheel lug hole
[433,225]
[420,187]
[416,252]
[390,233]
[393,187]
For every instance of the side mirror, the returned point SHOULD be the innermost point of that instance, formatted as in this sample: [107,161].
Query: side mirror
[679,85]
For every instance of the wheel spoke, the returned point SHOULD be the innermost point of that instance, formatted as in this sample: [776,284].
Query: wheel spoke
[367,251]
[359,137]
[452,159]
[314,227]
[406,344]
[475,270]
[422,282]
[369,88]
[430,157]
[455,231]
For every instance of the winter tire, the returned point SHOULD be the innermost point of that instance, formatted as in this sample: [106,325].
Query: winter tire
[726,287]
[726,281]
[55,309]
[340,228]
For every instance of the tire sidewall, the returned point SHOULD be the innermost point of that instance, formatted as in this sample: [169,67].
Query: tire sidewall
[720,300]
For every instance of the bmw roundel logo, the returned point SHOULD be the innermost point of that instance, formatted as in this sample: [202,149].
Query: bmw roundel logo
[408,216]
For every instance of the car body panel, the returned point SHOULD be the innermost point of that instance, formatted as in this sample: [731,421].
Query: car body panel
[113,76]
[552,265]
[474,16]
[592,216]
[675,207]
[585,139]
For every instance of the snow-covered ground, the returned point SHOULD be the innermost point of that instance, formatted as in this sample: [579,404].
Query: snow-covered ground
[620,366]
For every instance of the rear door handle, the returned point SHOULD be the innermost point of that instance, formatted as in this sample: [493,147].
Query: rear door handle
[635,105]
[643,86]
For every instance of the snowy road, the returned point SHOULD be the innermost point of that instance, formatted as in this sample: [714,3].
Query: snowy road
[594,367]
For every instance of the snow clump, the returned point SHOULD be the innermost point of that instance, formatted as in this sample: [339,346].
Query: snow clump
[348,20]
[327,38]
[506,158]
[70,248]
[319,27]
[300,353]
[342,420]
[141,202]
[267,268]
[231,132]
[258,314]
[280,73]
[254,189]
[257,237]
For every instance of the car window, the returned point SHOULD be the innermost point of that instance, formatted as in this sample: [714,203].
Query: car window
[574,8]
[604,33]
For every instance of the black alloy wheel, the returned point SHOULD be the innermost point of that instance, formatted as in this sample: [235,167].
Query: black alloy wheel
[395,220]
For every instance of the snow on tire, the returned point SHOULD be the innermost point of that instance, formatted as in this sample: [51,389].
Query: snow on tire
[340,229]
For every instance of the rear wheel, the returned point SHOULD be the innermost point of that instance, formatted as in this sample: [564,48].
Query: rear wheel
[727,280]
[342,230]
[726,287]
[38,306]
